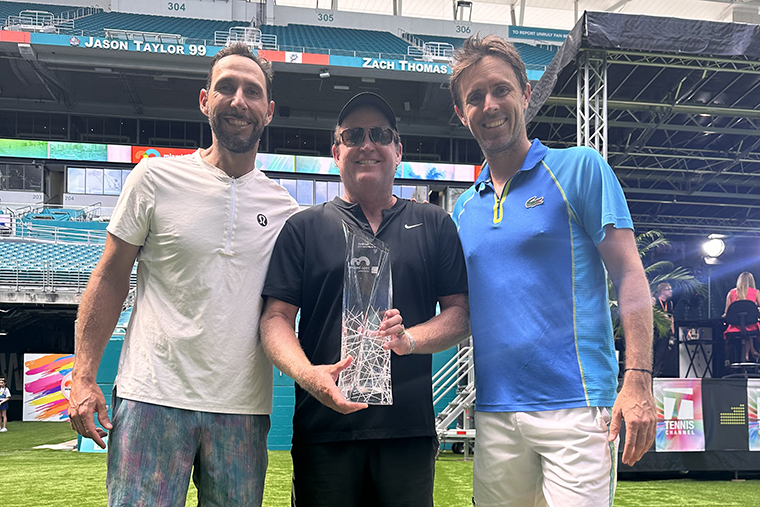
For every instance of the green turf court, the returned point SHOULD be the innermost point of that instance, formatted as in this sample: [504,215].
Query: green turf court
[49,478]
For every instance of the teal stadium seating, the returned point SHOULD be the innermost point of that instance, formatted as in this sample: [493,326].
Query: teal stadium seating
[531,55]
[196,29]
[13,9]
[339,41]
[293,37]
[38,256]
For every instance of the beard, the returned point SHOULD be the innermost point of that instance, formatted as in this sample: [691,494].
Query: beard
[233,142]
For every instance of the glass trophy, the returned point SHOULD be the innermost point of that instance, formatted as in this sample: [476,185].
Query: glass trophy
[367,294]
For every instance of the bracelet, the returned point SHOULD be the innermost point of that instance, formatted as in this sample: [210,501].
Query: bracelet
[411,342]
[639,369]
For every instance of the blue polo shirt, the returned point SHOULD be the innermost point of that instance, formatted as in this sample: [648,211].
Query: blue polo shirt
[540,314]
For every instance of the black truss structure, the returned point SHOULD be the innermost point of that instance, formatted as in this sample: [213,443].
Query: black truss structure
[674,106]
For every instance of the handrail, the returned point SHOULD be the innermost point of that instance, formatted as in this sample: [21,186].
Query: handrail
[57,235]
[125,34]
[81,12]
[50,276]
[411,38]
[450,376]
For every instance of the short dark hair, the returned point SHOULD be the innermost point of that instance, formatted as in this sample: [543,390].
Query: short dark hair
[241,49]
[475,49]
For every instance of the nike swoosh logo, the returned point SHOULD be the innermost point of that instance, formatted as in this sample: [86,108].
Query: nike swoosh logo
[407,226]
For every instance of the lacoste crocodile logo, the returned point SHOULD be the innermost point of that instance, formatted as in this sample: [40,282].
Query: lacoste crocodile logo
[534,201]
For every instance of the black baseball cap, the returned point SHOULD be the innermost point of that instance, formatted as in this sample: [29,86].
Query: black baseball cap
[368,99]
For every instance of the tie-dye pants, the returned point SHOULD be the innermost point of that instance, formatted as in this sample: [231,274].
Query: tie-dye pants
[153,448]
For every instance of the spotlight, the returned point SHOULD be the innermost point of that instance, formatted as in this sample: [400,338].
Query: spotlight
[324,73]
[713,247]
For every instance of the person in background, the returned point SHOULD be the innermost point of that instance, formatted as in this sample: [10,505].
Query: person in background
[538,229]
[193,391]
[744,290]
[662,299]
[5,395]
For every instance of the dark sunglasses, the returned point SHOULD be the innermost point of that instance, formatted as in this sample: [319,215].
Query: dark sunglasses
[378,135]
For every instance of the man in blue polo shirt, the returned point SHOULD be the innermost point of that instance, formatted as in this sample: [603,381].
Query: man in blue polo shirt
[538,228]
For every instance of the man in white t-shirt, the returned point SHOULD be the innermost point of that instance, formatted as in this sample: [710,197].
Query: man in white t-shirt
[194,388]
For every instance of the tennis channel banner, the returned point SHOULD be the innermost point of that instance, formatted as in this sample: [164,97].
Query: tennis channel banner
[707,414]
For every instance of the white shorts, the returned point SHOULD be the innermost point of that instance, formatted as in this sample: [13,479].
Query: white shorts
[554,458]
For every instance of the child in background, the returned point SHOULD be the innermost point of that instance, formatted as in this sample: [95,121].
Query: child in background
[5,395]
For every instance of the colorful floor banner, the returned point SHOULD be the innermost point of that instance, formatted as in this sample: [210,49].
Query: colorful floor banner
[46,379]
[753,405]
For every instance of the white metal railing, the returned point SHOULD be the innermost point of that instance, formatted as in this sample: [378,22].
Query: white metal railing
[30,17]
[44,21]
[75,14]
[411,39]
[456,375]
[82,213]
[32,21]
[13,225]
[453,375]
[16,276]
[51,276]
[438,50]
[58,235]
[120,34]
[249,35]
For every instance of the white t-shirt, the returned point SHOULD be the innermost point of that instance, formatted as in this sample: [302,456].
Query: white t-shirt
[206,240]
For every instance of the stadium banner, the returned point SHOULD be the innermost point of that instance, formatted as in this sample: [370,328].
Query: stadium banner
[141,152]
[390,64]
[427,171]
[84,42]
[291,57]
[753,410]
[315,165]
[725,413]
[23,149]
[275,162]
[94,152]
[52,39]
[544,34]
[61,150]
[47,380]
[680,425]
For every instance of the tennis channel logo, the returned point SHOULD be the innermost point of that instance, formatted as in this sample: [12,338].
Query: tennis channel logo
[678,404]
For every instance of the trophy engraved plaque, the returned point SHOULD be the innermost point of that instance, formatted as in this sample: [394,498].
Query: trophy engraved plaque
[367,294]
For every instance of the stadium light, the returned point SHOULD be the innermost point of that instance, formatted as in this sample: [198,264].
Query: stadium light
[713,247]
